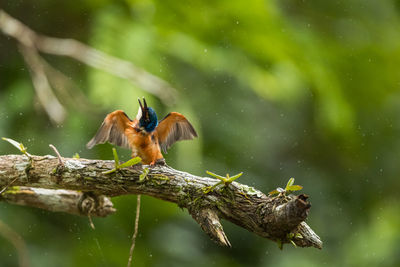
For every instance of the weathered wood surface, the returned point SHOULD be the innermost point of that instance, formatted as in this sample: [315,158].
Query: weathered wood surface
[278,218]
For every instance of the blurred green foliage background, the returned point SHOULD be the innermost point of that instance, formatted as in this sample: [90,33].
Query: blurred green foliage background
[277,89]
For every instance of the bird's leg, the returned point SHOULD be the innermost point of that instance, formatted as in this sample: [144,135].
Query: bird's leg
[160,162]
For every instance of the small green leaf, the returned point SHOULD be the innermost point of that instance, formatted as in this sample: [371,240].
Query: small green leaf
[110,171]
[273,192]
[294,244]
[14,143]
[226,180]
[130,162]
[233,178]
[76,156]
[143,175]
[19,146]
[116,159]
[276,191]
[298,236]
[290,182]
[207,189]
[216,176]
[22,148]
[294,188]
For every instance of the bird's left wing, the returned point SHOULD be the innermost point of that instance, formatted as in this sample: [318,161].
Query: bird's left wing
[174,127]
[114,129]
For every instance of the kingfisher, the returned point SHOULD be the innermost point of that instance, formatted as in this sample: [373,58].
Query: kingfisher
[145,135]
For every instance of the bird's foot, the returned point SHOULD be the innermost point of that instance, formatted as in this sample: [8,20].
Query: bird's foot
[161,162]
[158,162]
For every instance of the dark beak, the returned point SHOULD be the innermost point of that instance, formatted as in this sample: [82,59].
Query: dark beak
[144,102]
[141,106]
[145,112]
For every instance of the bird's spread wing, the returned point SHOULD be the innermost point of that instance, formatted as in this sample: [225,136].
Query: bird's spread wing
[174,127]
[113,130]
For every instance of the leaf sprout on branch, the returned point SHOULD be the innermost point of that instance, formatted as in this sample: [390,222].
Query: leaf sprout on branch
[118,166]
[290,187]
[224,180]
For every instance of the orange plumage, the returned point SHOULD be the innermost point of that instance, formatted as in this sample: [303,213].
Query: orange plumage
[144,135]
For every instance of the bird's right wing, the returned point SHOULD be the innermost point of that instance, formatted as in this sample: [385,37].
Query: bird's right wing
[114,130]
[174,127]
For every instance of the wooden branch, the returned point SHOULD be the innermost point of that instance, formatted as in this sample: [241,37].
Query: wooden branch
[59,200]
[209,222]
[280,218]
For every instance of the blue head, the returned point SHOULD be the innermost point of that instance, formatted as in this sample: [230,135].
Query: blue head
[148,120]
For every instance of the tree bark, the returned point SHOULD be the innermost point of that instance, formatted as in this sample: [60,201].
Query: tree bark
[59,200]
[279,218]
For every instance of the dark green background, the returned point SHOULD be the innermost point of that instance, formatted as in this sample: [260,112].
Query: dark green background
[277,89]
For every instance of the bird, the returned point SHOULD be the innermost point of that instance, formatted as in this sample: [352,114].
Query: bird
[145,135]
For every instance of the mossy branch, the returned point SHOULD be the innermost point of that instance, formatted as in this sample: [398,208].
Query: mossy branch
[279,218]
[59,200]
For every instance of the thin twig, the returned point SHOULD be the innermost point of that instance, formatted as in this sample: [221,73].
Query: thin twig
[44,92]
[135,231]
[87,55]
[90,217]
[66,89]
[5,188]
[17,242]
[60,160]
